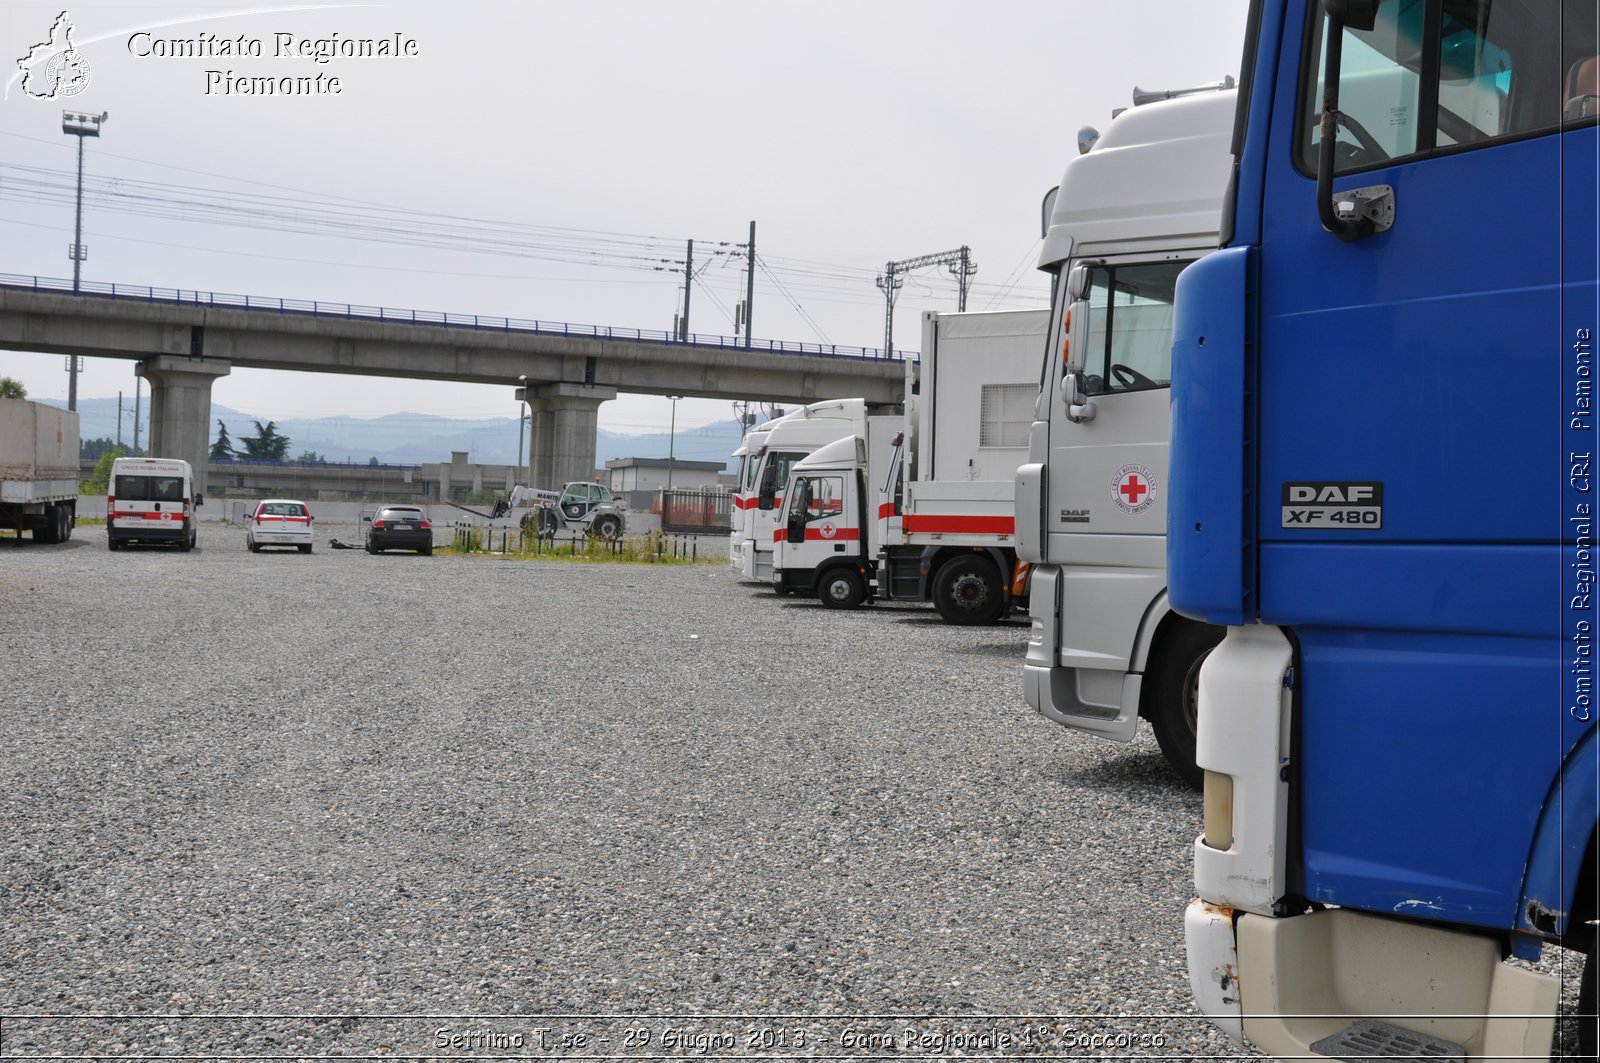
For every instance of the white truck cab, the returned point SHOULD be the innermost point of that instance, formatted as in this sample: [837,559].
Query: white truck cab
[1138,205]
[788,441]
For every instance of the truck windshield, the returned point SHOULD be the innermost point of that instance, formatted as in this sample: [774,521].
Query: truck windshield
[1130,327]
[1496,72]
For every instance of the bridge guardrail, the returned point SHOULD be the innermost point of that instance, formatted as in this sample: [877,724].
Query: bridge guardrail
[479,322]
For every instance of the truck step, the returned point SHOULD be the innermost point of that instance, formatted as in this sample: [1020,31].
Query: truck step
[1370,1041]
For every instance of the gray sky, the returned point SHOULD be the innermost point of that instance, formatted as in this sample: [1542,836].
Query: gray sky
[589,139]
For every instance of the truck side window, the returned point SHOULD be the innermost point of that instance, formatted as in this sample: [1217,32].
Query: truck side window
[1496,72]
[825,497]
[1130,327]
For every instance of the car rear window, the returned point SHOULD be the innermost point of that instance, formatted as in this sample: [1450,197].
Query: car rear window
[400,514]
[283,509]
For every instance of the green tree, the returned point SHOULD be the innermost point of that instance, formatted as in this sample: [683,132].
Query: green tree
[310,457]
[268,444]
[223,447]
[372,460]
[97,481]
[12,388]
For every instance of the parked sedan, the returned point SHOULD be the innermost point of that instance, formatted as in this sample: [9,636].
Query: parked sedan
[400,527]
[279,522]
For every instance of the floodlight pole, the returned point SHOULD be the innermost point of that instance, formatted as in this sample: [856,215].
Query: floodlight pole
[80,125]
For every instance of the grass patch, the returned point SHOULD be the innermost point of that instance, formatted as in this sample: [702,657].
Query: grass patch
[651,549]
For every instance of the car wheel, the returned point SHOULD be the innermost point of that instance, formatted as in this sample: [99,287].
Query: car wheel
[842,588]
[371,549]
[112,544]
[967,591]
[305,548]
[1174,690]
[425,551]
[253,547]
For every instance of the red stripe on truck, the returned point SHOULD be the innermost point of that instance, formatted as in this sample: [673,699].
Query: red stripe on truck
[949,523]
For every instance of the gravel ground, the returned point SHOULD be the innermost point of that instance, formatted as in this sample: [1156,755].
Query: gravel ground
[460,800]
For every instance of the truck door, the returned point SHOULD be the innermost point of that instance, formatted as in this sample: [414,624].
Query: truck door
[1423,396]
[1106,499]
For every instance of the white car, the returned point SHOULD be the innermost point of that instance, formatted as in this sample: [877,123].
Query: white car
[279,522]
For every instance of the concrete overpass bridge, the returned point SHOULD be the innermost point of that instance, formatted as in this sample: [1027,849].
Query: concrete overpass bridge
[184,340]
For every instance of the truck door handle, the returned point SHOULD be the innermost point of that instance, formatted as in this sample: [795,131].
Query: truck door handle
[838,548]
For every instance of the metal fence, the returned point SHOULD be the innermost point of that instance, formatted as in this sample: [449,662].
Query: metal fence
[697,512]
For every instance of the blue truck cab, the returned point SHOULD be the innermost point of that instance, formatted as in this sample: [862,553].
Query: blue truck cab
[1384,486]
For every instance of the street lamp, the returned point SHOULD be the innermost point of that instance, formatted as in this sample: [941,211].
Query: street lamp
[80,125]
[523,418]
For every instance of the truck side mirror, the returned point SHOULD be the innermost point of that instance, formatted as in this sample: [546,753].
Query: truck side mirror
[796,532]
[1075,352]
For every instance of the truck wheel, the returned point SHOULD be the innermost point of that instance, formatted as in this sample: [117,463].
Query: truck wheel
[68,519]
[1173,685]
[841,588]
[608,527]
[967,591]
[112,544]
[547,524]
[186,544]
[50,530]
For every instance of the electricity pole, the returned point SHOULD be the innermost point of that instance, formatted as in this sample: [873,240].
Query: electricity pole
[961,266]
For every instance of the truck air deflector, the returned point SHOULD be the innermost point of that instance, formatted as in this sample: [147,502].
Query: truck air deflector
[1207,537]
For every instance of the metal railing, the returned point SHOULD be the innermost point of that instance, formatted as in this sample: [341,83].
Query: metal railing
[479,322]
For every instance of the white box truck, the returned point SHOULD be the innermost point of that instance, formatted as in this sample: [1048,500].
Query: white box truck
[920,507]
[38,470]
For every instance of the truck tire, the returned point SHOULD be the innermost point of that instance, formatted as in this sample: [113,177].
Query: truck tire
[547,524]
[1173,691]
[68,520]
[50,530]
[967,590]
[841,588]
[607,526]
[186,544]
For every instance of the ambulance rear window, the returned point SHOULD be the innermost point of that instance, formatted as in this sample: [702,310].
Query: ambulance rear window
[166,488]
[133,488]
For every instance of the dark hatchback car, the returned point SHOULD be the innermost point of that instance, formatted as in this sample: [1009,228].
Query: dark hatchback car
[400,528]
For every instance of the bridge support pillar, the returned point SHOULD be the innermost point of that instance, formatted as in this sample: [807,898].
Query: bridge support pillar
[561,440]
[180,408]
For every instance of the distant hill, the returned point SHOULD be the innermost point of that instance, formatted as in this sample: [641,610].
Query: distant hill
[414,438]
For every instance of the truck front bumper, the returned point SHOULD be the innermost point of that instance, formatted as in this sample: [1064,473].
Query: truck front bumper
[1312,976]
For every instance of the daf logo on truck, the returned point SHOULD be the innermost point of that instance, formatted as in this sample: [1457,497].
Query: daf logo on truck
[1323,504]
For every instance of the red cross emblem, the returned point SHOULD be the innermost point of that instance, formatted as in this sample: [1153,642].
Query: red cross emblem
[1133,488]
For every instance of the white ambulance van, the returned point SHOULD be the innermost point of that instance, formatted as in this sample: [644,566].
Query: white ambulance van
[151,500]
